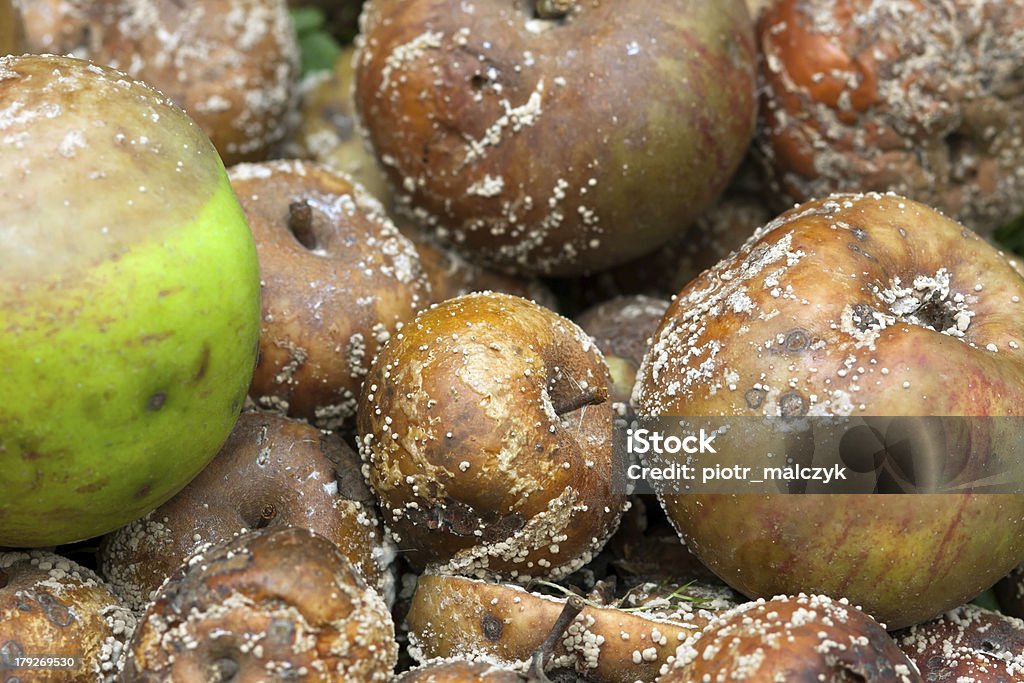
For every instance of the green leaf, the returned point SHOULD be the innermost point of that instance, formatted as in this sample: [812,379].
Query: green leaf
[987,600]
[319,52]
[307,19]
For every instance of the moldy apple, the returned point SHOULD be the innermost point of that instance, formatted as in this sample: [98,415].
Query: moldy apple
[869,305]
[557,142]
[486,435]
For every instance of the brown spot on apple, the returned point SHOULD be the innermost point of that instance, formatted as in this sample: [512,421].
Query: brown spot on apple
[91,488]
[156,401]
[754,398]
[204,364]
[492,627]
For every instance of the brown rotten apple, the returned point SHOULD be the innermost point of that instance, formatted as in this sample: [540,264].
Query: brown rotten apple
[921,98]
[802,638]
[453,616]
[531,139]
[864,305]
[231,64]
[272,472]
[272,605]
[487,439]
[337,279]
[51,606]
[967,644]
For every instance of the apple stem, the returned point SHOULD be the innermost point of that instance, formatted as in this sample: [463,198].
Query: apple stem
[542,655]
[588,397]
[554,9]
[266,515]
[300,222]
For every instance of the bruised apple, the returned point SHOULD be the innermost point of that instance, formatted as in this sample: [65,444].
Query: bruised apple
[854,305]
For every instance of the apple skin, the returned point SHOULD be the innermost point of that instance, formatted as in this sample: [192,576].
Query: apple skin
[129,301]
[904,558]
[536,145]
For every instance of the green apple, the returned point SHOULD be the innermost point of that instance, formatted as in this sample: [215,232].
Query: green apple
[129,300]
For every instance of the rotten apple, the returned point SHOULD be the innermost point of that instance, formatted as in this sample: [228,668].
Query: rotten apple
[525,133]
[486,435]
[920,98]
[855,305]
[273,605]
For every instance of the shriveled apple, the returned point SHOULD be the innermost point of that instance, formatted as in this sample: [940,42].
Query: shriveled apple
[52,607]
[231,64]
[337,280]
[274,604]
[487,439]
[852,305]
[967,644]
[920,98]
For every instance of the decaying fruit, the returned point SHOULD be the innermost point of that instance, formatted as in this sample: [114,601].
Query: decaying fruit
[460,671]
[852,305]
[50,606]
[272,473]
[231,64]
[967,644]
[802,638]
[129,300]
[337,280]
[495,124]
[275,605]
[459,617]
[487,439]
[920,98]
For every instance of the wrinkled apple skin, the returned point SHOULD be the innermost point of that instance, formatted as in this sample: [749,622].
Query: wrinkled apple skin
[129,301]
[562,146]
[770,331]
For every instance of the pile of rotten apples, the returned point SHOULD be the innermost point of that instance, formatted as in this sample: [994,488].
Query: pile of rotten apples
[314,417]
